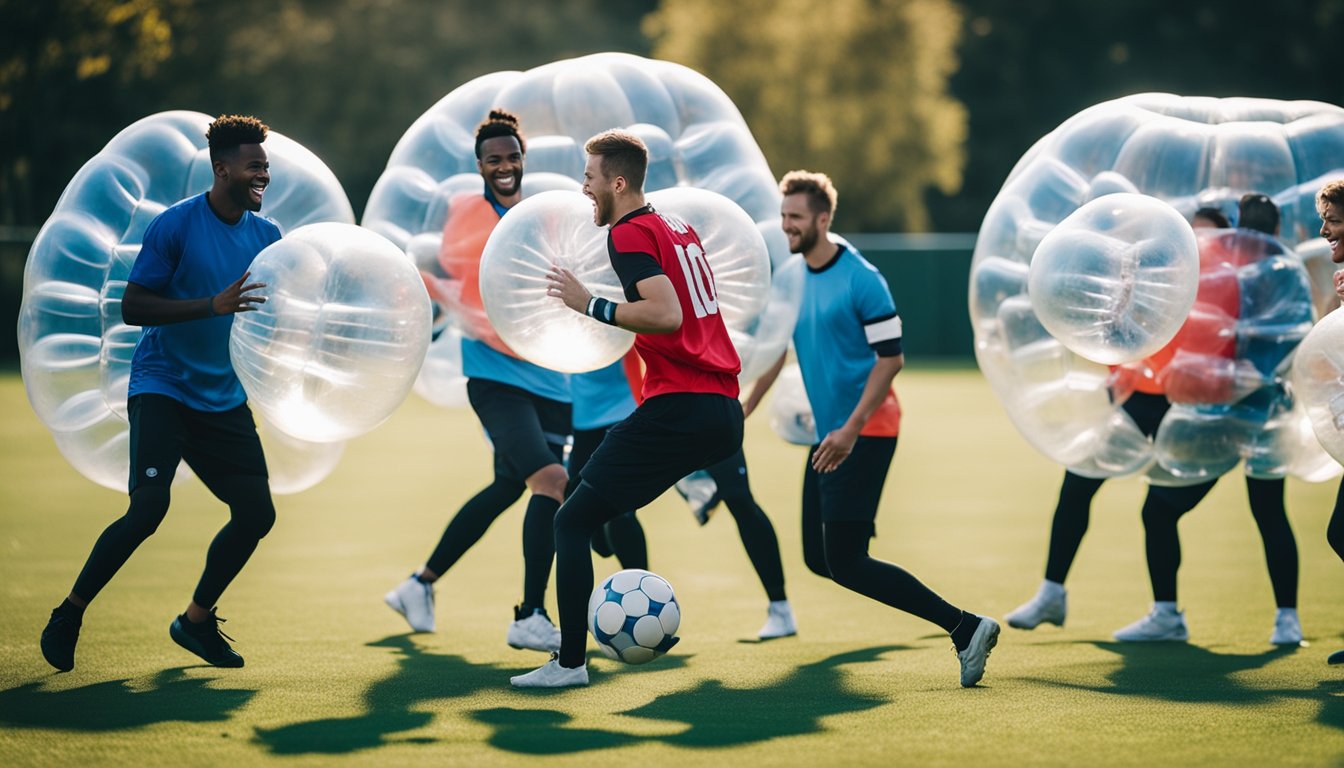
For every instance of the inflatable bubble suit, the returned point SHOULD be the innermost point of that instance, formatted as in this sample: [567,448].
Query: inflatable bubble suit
[695,135]
[75,351]
[341,337]
[1318,377]
[1225,367]
[790,411]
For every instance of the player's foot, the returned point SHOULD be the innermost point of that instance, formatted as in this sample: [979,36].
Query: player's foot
[1287,628]
[552,675]
[975,655]
[1048,606]
[414,600]
[1160,624]
[59,638]
[778,621]
[206,640]
[1336,658]
[532,629]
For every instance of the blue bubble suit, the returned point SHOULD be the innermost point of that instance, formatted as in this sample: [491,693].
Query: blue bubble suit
[341,337]
[1062,353]
[74,350]
[695,134]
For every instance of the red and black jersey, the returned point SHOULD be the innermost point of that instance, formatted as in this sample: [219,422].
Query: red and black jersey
[698,356]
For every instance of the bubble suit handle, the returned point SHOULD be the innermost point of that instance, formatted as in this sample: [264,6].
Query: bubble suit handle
[341,337]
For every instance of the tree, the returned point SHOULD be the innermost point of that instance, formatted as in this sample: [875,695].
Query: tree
[855,88]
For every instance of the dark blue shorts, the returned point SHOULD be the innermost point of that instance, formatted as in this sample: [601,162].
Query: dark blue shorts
[215,444]
[851,492]
[528,431]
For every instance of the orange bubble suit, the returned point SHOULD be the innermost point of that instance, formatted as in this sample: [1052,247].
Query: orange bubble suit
[471,219]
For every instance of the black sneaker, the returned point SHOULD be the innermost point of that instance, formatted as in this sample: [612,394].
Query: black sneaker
[59,638]
[206,640]
[1335,658]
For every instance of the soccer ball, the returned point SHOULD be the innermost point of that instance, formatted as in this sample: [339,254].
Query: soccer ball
[633,615]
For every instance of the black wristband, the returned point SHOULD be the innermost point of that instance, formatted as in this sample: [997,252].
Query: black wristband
[602,310]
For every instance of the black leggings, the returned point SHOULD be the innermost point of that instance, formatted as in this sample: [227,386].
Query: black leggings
[583,513]
[1334,532]
[623,535]
[251,516]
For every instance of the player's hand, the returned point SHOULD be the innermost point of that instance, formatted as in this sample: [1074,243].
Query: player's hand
[238,297]
[1339,284]
[562,284]
[834,450]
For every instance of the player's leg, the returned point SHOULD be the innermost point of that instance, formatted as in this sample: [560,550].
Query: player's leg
[849,500]
[1334,534]
[814,545]
[1072,516]
[156,439]
[1266,499]
[759,539]
[1162,510]
[224,451]
[624,535]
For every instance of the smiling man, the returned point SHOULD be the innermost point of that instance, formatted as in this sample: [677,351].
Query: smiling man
[185,403]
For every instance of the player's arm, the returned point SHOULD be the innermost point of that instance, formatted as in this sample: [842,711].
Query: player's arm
[762,386]
[839,443]
[657,311]
[142,306]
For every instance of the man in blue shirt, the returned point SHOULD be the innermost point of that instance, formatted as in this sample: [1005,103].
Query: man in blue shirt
[185,403]
[848,342]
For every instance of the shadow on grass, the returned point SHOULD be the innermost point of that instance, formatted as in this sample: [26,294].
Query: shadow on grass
[114,705]
[391,704]
[715,715]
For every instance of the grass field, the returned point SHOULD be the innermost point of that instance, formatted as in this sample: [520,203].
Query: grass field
[333,678]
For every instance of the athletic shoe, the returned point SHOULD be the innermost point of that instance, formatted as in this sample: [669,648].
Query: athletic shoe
[552,675]
[414,600]
[1049,606]
[778,621]
[977,653]
[1287,628]
[206,640]
[59,638]
[533,631]
[1158,625]
[1336,658]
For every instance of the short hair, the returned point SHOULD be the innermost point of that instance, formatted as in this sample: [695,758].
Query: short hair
[821,194]
[623,154]
[1215,215]
[228,132]
[1332,193]
[1256,211]
[499,123]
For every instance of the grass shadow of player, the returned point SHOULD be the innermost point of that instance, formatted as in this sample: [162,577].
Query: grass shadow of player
[393,705]
[1185,673]
[715,715]
[117,705]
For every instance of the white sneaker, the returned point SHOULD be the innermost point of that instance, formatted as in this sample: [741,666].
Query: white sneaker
[552,675]
[1287,628]
[778,621]
[1158,625]
[534,632]
[414,600]
[1049,606]
[977,653]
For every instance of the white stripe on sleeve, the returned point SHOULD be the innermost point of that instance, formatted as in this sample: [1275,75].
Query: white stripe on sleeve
[883,330]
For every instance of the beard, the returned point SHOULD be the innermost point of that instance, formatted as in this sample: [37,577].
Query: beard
[806,240]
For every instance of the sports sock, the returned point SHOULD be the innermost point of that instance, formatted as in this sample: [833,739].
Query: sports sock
[965,630]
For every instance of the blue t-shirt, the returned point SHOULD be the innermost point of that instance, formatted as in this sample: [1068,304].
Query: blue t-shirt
[189,253]
[601,397]
[846,310]
[482,361]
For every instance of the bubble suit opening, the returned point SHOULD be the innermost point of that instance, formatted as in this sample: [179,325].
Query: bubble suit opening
[1252,305]
[341,337]
[74,350]
[695,135]
[1115,279]
[557,228]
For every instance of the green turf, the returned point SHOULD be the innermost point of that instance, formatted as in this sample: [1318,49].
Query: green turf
[332,678]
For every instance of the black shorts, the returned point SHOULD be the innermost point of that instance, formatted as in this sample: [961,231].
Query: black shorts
[1147,411]
[852,491]
[665,439]
[730,476]
[528,431]
[215,444]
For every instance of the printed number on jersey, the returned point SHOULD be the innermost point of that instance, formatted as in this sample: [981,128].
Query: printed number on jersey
[699,280]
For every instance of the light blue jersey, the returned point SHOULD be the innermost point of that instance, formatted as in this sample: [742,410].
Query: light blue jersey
[482,361]
[190,253]
[846,311]
[601,397]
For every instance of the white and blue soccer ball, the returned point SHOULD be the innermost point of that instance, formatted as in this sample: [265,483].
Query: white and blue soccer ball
[633,615]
